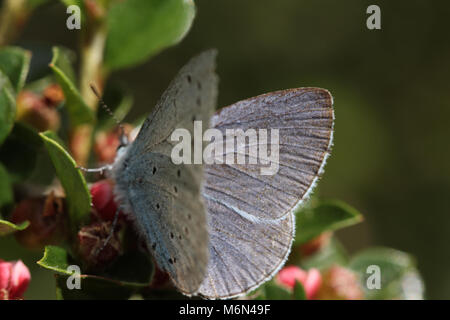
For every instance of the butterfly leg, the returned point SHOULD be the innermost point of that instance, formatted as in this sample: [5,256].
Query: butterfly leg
[111,232]
[91,170]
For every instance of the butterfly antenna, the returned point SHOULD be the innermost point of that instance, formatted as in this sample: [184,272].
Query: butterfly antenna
[104,106]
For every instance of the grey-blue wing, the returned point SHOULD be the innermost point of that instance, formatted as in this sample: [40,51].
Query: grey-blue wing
[251,221]
[163,197]
[171,217]
[190,96]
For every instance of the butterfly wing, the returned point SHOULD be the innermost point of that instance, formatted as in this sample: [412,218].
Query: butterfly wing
[251,215]
[165,198]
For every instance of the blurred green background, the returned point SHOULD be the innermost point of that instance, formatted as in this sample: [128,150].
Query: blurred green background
[392,99]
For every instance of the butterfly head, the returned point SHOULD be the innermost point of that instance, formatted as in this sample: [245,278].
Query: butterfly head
[123,140]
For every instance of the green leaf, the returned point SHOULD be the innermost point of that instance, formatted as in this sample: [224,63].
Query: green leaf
[273,291]
[55,259]
[325,216]
[6,195]
[7,227]
[79,111]
[299,291]
[7,107]
[129,274]
[397,270]
[394,262]
[39,85]
[15,63]
[333,253]
[77,193]
[23,141]
[93,288]
[63,59]
[73,2]
[52,135]
[139,29]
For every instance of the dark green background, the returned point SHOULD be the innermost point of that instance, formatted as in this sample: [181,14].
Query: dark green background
[392,99]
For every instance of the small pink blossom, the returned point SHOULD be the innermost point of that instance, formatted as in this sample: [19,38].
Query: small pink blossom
[310,279]
[14,279]
[103,199]
[340,283]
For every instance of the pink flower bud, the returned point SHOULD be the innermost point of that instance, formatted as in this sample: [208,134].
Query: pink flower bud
[316,244]
[92,248]
[14,280]
[103,199]
[53,95]
[106,143]
[340,283]
[33,110]
[47,216]
[311,279]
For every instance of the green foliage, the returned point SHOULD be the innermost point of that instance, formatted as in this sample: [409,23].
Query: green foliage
[272,291]
[77,193]
[131,273]
[333,253]
[73,2]
[7,106]
[153,24]
[6,196]
[55,259]
[7,227]
[325,216]
[25,142]
[396,269]
[79,111]
[15,63]
[299,291]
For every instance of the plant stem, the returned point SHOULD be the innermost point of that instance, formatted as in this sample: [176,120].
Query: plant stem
[13,15]
[91,66]
[91,72]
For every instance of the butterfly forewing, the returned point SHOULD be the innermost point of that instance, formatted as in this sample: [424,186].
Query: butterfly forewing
[251,221]
[163,197]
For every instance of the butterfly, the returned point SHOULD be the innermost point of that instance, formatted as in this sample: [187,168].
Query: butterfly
[220,230]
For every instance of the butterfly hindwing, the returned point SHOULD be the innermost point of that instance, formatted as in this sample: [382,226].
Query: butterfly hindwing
[251,221]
